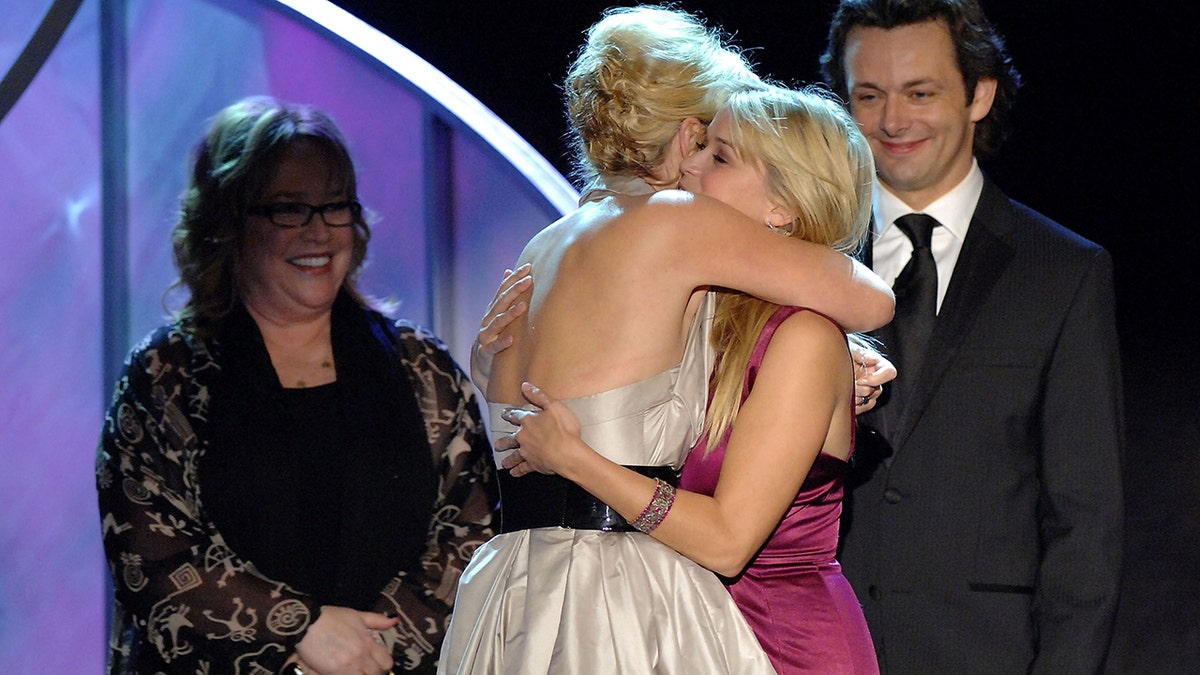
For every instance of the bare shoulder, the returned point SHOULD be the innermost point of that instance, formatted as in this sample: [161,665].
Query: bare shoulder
[550,239]
[672,198]
[683,218]
[807,337]
[807,365]
[682,204]
[662,208]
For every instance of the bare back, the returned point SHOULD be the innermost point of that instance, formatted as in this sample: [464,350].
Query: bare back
[605,310]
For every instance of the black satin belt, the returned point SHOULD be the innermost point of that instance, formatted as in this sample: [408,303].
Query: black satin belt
[541,500]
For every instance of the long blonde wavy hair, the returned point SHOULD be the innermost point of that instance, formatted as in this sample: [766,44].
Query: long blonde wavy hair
[816,163]
[641,72]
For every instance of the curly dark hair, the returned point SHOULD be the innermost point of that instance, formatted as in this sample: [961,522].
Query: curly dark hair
[231,168]
[977,44]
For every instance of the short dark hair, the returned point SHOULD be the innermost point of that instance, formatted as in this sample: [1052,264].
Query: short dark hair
[231,168]
[977,44]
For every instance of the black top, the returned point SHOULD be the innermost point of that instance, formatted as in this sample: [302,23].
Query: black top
[326,488]
[299,544]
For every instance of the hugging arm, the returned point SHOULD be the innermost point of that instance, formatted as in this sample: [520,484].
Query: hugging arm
[703,242]
[511,301]
[700,242]
[803,382]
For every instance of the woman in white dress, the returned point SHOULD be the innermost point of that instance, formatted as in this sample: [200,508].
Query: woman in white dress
[615,329]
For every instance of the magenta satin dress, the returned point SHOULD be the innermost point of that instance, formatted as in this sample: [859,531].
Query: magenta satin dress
[793,594]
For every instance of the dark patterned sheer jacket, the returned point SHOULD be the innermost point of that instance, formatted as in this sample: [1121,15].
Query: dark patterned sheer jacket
[411,481]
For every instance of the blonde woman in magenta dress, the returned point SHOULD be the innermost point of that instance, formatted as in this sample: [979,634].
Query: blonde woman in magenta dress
[612,329]
[760,498]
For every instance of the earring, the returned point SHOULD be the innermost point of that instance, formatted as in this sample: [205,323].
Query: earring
[785,230]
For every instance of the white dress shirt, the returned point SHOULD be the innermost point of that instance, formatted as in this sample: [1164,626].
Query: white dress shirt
[892,248]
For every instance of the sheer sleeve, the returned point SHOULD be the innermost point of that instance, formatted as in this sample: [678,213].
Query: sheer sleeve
[184,600]
[467,500]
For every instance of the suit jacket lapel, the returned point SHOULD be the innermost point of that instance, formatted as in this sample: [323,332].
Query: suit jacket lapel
[983,258]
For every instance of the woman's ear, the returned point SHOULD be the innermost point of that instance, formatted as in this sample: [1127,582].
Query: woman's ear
[686,141]
[780,218]
[692,133]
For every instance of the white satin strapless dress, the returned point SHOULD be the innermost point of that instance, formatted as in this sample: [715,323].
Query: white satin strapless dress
[560,600]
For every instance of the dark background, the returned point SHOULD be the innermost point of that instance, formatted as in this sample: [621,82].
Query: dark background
[1105,127]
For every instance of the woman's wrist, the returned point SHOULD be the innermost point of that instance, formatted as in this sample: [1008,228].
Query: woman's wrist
[576,454]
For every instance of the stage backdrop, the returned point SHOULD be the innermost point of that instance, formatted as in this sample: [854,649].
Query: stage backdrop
[102,102]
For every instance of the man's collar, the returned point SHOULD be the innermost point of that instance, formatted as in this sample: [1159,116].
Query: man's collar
[953,209]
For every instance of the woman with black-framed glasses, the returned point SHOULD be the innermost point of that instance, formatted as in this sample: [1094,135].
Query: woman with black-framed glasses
[289,215]
[287,479]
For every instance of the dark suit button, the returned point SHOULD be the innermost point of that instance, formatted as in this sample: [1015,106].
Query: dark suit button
[874,592]
[892,496]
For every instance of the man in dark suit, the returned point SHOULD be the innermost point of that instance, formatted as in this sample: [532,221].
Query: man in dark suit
[983,519]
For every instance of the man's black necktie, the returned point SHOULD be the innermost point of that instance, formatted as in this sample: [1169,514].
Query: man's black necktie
[916,302]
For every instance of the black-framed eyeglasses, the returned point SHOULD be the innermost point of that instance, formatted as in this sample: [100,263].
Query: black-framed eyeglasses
[291,215]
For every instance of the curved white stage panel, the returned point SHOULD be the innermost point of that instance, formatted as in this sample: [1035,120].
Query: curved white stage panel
[93,154]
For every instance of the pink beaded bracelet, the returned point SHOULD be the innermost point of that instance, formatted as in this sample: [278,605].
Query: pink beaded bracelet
[658,508]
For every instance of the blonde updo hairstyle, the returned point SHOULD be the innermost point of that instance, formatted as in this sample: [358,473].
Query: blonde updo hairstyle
[642,71]
[816,163]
